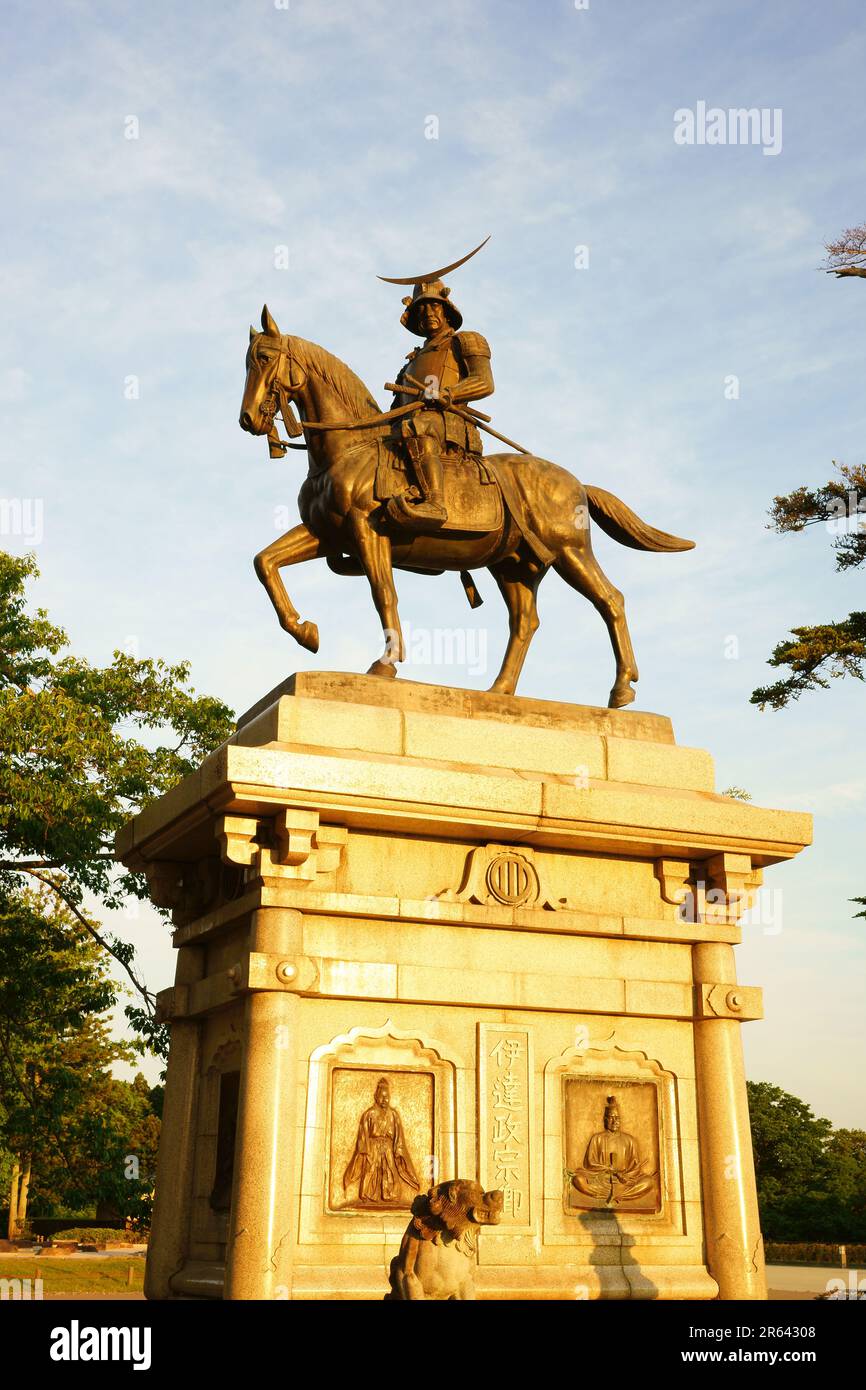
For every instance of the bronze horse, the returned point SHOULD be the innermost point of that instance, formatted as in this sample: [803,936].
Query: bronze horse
[345,523]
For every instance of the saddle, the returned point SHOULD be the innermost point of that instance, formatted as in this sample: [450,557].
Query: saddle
[472,495]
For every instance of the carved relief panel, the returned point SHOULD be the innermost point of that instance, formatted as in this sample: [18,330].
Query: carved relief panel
[611,1141]
[381,1126]
[614,1147]
[382,1142]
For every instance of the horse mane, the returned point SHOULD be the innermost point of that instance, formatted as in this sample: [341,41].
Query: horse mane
[350,388]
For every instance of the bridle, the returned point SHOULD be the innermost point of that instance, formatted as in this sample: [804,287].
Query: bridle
[280,400]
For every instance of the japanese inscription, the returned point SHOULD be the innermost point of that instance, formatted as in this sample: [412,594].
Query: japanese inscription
[505,1118]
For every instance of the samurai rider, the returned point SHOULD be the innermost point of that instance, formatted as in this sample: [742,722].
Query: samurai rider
[450,368]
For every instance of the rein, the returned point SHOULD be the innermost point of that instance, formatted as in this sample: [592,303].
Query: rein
[294,427]
[277,447]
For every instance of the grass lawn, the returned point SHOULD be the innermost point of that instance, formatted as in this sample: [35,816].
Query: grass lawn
[60,1276]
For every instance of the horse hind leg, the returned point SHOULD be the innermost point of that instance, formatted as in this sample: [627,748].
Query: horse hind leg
[374,553]
[577,565]
[293,548]
[518,579]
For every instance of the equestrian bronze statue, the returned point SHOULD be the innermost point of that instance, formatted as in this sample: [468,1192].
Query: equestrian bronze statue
[409,488]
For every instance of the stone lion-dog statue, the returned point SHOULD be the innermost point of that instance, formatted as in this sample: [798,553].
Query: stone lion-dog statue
[439,1248]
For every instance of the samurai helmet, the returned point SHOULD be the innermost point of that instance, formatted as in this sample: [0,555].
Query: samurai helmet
[429,286]
[431,291]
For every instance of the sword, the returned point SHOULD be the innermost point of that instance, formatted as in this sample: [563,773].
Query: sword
[415,389]
[475,417]
[472,416]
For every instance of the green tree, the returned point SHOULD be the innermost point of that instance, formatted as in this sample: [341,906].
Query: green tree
[811,1180]
[846,1153]
[82,748]
[59,1104]
[829,649]
[109,1135]
[837,648]
[788,1141]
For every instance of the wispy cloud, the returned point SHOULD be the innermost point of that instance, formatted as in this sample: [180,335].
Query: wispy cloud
[305,128]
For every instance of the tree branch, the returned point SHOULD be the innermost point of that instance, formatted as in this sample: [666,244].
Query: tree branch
[813,653]
[27,864]
[100,940]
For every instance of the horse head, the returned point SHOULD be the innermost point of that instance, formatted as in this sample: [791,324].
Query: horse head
[267,386]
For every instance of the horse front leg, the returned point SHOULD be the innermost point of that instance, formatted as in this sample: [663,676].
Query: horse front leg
[374,553]
[293,548]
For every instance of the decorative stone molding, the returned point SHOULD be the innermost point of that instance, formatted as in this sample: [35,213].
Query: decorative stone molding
[171,1003]
[505,875]
[673,876]
[291,845]
[295,833]
[261,971]
[716,891]
[236,838]
[730,875]
[188,889]
[164,882]
[254,972]
[729,1001]
[226,1055]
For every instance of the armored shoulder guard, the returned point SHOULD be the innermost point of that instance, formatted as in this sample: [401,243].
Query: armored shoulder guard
[473,344]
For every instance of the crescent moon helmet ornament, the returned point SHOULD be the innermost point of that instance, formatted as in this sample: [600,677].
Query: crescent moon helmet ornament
[433,274]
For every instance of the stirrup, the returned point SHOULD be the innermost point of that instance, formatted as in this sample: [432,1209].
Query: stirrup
[418,516]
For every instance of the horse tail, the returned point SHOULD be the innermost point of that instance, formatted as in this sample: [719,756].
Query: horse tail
[622,524]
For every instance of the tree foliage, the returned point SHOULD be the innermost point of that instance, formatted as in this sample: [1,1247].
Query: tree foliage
[59,1102]
[74,768]
[832,649]
[83,748]
[847,254]
[811,1179]
[812,654]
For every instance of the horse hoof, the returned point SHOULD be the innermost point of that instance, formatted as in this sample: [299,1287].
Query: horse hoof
[621,695]
[308,636]
[383,668]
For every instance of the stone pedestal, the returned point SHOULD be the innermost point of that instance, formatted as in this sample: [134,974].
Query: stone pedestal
[517,914]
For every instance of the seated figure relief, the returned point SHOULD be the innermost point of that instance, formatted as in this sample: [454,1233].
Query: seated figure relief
[612,1170]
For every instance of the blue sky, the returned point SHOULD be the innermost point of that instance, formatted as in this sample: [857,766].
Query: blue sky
[304,127]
